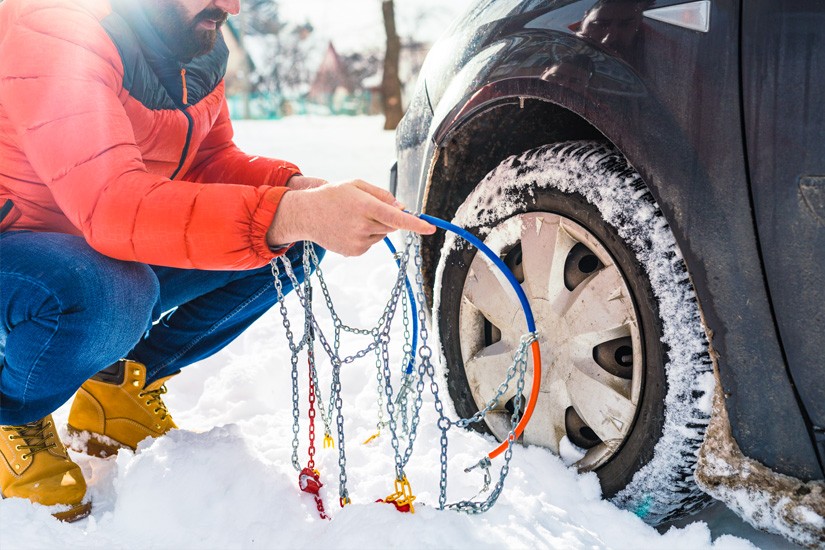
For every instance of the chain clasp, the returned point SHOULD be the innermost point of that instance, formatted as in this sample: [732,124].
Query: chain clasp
[402,498]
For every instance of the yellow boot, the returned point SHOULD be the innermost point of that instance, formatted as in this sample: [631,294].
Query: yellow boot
[115,409]
[36,466]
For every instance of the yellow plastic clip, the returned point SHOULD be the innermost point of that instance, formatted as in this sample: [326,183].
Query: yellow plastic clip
[329,443]
[344,501]
[373,436]
[403,495]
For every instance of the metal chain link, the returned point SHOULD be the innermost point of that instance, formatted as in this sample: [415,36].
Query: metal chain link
[294,352]
[311,448]
[407,364]
[309,331]
[426,368]
[343,493]
[475,507]
[313,328]
[519,360]
[401,459]
[381,388]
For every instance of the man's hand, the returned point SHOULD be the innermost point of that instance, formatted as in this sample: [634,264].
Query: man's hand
[346,218]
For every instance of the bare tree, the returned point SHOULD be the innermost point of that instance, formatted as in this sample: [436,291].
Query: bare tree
[391,83]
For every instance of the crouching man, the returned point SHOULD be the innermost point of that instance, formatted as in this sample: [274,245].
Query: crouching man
[135,237]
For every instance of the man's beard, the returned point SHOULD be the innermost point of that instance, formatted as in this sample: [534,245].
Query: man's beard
[183,38]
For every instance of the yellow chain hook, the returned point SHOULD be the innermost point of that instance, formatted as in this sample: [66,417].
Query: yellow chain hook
[402,495]
[329,443]
[372,437]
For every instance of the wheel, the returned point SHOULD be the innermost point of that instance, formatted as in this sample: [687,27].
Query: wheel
[627,378]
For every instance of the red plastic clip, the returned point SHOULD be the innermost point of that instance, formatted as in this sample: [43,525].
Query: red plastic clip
[402,498]
[400,507]
[309,481]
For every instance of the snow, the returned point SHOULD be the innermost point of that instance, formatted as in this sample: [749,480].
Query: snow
[224,480]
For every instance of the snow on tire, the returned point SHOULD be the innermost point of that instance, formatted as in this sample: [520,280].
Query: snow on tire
[604,273]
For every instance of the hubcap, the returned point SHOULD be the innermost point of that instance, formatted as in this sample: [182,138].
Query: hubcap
[592,371]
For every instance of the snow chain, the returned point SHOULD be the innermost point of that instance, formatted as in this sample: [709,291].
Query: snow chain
[402,407]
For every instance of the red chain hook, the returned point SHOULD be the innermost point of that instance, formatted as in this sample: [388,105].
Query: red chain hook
[309,481]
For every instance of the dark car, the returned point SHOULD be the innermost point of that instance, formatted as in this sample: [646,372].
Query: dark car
[654,175]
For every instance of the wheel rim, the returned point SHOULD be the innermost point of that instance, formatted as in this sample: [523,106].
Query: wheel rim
[593,364]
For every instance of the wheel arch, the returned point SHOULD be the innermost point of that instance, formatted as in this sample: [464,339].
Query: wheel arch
[483,133]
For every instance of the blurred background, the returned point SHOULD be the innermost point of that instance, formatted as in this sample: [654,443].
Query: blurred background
[330,57]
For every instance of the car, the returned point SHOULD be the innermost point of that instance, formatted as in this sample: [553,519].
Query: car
[653,173]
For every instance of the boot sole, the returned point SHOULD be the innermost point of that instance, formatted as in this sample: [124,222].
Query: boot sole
[94,445]
[76,512]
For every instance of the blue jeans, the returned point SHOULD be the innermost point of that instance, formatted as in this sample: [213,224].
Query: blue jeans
[67,312]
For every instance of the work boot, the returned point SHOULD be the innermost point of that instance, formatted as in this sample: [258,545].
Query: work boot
[115,409]
[36,466]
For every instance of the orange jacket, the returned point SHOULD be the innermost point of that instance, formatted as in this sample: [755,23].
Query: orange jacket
[98,138]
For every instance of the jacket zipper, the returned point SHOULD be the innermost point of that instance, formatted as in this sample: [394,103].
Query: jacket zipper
[190,123]
[183,83]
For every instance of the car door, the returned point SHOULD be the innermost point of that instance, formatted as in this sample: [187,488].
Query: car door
[783,83]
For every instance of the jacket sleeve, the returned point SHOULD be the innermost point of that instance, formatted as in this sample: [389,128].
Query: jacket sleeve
[61,84]
[219,159]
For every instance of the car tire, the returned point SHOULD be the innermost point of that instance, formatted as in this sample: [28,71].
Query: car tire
[627,375]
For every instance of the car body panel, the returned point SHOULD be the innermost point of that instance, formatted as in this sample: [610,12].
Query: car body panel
[684,136]
[784,106]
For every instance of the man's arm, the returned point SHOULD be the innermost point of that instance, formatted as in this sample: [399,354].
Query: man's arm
[346,218]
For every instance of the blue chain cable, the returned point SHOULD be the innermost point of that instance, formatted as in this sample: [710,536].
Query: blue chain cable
[493,257]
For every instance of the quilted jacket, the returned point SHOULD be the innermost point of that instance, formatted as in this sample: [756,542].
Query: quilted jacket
[104,134]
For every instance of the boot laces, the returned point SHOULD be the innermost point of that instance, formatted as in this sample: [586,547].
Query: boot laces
[34,436]
[155,399]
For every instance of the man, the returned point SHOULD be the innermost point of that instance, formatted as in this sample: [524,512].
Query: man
[135,236]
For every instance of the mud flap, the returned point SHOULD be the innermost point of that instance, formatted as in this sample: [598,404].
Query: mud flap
[767,500]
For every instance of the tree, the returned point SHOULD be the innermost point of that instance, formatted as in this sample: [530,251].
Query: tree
[391,83]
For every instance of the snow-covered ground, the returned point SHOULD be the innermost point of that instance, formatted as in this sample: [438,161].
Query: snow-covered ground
[224,480]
